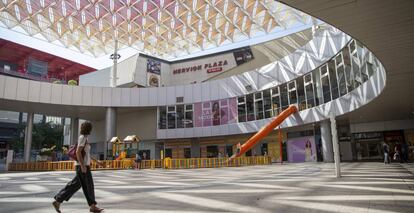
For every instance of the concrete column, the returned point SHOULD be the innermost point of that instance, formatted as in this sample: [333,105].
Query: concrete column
[28,136]
[335,143]
[110,128]
[74,130]
[327,149]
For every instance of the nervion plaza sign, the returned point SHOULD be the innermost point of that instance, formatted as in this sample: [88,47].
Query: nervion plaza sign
[200,69]
[210,67]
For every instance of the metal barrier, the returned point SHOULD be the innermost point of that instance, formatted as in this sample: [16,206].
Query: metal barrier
[128,163]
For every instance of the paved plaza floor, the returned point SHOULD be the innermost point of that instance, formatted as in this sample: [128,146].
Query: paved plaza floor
[306,187]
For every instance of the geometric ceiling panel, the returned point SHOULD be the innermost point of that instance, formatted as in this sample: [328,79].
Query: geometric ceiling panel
[163,28]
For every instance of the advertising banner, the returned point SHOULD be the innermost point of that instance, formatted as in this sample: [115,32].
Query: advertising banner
[213,113]
[301,149]
[242,56]
[36,67]
[153,73]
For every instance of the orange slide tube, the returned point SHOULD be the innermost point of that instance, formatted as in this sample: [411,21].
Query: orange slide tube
[266,130]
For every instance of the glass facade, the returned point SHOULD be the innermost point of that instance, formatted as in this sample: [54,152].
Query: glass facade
[346,71]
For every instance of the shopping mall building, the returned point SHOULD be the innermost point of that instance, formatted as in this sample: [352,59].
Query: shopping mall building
[204,77]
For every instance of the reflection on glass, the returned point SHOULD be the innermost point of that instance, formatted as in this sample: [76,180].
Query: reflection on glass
[284,96]
[171,117]
[241,109]
[317,87]
[188,116]
[310,98]
[293,98]
[275,101]
[162,117]
[258,104]
[333,81]
[250,107]
[267,103]
[349,76]
[301,94]
[180,116]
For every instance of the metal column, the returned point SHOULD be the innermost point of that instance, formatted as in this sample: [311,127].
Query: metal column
[28,136]
[335,147]
[327,149]
[110,128]
[74,130]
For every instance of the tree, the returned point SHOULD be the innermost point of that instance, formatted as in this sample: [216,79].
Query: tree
[47,135]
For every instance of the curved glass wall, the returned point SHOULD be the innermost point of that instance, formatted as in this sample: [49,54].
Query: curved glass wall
[347,70]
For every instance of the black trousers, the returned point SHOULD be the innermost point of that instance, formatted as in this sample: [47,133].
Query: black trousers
[83,180]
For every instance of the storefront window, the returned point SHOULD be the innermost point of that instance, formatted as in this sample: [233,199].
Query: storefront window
[275,101]
[267,103]
[317,87]
[301,93]
[349,76]
[241,109]
[310,99]
[162,124]
[180,116]
[326,88]
[187,152]
[258,104]
[171,117]
[212,151]
[293,96]
[284,96]
[250,107]
[188,121]
[340,71]
[333,80]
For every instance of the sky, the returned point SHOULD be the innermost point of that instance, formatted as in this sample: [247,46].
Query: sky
[16,35]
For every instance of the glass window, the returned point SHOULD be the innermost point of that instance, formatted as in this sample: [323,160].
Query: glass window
[301,93]
[333,81]
[340,72]
[370,69]
[317,87]
[171,117]
[241,109]
[267,103]
[356,68]
[162,117]
[187,152]
[349,76]
[284,96]
[188,121]
[310,97]
[258,104]
[293,96]
[250,107]
[180,116]
[275,101]
[326,88]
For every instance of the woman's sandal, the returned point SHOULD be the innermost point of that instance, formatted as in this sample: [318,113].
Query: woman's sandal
[56,205]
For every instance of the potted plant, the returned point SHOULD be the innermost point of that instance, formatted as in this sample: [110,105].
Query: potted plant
[46,153]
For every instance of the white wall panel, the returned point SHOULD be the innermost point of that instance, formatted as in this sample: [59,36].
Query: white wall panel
[206,131]
[97,96]
[188,94]
[198,132]
[162,96]
[152,96]
[143,97]
[116,97]
[125,96]
[22,90]
[205,91]
[215,130]
[135,93]
[87,96]
[77,95]
[189,132]
[10,91]
[170,95]
[107,96]
[161,134]
[179,133]
[45,92]
[214,90]
[56,97]
[2,85]
[179,91]
[196,93]
[34,91]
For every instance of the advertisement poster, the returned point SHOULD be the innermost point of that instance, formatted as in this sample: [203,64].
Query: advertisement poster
[153,66]
[214,113]
[242,56]
[301,149]
[153,73]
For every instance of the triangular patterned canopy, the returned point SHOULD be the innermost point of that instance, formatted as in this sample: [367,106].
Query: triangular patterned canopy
[163,28]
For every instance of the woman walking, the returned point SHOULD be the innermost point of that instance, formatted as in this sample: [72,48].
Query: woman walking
[83,176]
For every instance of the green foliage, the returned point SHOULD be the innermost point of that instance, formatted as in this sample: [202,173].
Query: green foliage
[47,135]
[72,82]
